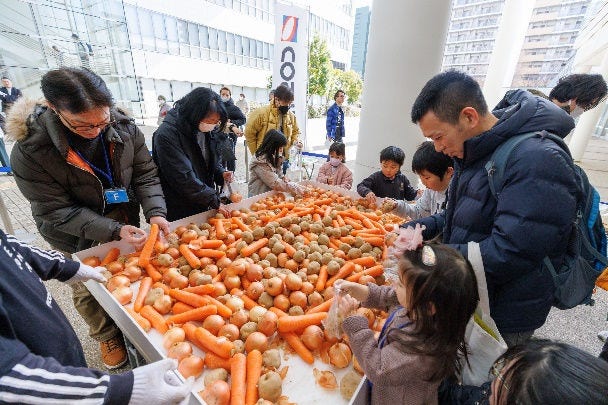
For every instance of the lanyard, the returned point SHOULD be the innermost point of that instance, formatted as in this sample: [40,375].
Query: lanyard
[384,331]
[106,173]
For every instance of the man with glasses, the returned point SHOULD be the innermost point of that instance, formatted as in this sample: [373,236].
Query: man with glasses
[85,168]
[334,124]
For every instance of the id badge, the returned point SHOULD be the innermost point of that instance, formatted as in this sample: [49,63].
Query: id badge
[116,195]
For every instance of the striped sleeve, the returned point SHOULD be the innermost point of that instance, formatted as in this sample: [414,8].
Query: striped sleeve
[39,380]
[48,264]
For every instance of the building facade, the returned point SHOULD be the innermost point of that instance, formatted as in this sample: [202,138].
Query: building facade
[360,37]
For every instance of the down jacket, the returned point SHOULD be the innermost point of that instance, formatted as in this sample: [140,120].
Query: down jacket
[532,217]
[335,115]
[188,180]
[266,118]
[66,197]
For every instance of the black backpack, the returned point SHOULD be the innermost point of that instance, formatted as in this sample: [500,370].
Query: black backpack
[586,253]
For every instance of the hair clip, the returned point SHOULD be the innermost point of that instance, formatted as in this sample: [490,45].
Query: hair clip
[428,256]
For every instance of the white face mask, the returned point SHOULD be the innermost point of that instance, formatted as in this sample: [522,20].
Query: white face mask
[225,98]
[335,162]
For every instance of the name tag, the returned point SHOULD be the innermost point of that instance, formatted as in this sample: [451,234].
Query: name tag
[116,195]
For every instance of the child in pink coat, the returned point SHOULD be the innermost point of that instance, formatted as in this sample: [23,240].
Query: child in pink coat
[335,171]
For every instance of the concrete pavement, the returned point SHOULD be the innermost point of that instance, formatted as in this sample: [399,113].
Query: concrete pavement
[578,326]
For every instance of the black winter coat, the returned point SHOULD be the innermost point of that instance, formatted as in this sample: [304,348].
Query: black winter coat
[235,115]
[398,188]
[188,181]
[531,219]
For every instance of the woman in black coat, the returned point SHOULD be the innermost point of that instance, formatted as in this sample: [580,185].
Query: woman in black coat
[236,119]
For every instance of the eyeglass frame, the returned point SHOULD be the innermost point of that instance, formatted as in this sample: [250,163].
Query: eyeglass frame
[84,127]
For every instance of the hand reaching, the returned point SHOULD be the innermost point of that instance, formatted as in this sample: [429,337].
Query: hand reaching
[163,224]
[371,198]
[154,384]
[358,291]
[133,235]
[86,272]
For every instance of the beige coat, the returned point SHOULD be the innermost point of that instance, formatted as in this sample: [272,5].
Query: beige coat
[264,177]
[265,118]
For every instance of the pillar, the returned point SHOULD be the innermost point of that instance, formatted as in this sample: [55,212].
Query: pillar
[507,47]
[405,49]
[587,122]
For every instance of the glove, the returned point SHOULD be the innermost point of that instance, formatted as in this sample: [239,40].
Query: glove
[298,189]
[86,272]
[154,384]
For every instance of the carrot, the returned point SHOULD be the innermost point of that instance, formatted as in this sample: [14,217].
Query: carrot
[290,250]
[148,249]
[212,253]
[220,231]
[316,217]
[222,309]
[304,212]
[254,247]
[322,279]
[211,343]
[375,241]
[144,287]
[180,307]
[190,330]
[111,256]
[240,224]
[340,220]
[296,344]
[211,244]
[279,312]
[374,271]
[204,289]
[196,314]
[353,223]
[297,322]
[152,272]
[347,239]
[158,284]
[141,321]
[254,370]
[281,214]
[156,320]
[366,261]
[248,302]
[344,271]
[327,211]
[335,223]
[333,244]
[188,298]
[367,223]
[212,361]
[322,307]
[238,377]
[325,201]
[367,231]
[193,261]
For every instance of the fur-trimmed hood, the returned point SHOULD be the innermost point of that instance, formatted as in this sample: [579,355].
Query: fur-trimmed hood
[16,120]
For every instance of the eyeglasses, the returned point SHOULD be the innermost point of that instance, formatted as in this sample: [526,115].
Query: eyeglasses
[88,127]
[496,369]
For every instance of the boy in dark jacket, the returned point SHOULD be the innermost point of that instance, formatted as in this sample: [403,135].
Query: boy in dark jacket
[389,181]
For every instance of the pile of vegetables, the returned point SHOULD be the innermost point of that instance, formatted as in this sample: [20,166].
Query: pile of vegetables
[238,288]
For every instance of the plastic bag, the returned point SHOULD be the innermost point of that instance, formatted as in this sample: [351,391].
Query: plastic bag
[333,323]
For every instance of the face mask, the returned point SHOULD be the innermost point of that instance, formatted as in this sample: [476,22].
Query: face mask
[225,98]
[578,110]
[283,109]
[335,162]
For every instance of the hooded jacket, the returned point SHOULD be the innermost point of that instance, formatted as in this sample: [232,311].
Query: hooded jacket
[188,180]
[65,195]
[265,118]
[235,115]
[335,121]
[532,217]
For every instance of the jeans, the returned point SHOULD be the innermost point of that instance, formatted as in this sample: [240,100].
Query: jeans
[4,159]
[512,339]
[286,165]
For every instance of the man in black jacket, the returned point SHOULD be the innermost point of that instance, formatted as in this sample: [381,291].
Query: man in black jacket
[236,119]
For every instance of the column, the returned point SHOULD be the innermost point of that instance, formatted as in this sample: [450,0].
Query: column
[405,50]
[587,122]
[507,47]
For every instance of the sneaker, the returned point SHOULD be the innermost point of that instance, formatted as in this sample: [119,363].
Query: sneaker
[603,335]
[113,352]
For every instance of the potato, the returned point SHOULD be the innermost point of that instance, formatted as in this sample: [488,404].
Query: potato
[205,226]
[185,270]
[345,247]
[326,258]
[316,228]
[288,237]
[359,242]
[315,257]
[299,256]
[164,259]
[327,221]
[304,225]
[332,267]
[278,248]
[153,295]
[296,310]
[214,375]
[323,240]
[313,268]
[258,233]
[269,230]
[272,358]
[270,386]
[354,253]
[366,248]
[285,222]
[349,384]
[295,229]
[272,259]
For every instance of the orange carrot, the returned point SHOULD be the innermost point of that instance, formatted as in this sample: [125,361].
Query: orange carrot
[141,321]
[144,287]
[254,247]
[297,322]
[211,343]
[367,231]
[190,330]
[296,344]
[348,239]
[340,220]
[353,223]
[304,212]
[248,302]
[322,279]
[325,201]
[238,377]
[281,214]
[148,249]
[180,307]
[290,250]
[152,272]
[322,307]
[366,261]
[212,253]
[193,261]
[375,241]
[254,370]
[211,244]
[188,298]
[212,361]
[279,312]
[222,309]
[204,289]
[240,224]
[344,272]
[367,223]
[111,256]
[220,231]
[156,319]
[374,271]
[327,211]
[196,314]
[316,217]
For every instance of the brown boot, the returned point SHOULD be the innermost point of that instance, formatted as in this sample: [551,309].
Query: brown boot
[113,352]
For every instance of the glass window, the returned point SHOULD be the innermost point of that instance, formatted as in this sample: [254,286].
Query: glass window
[159,32]
[182,32]
[171,24]
[203,35]
[180,89]
[222,46]
[147,30]
[213,43]
[195,50]
[230,48]
[238,49]
[134,32]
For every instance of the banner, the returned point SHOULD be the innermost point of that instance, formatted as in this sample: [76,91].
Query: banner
[291,57]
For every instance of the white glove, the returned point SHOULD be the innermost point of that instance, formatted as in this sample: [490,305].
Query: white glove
[154,384]
[86,272]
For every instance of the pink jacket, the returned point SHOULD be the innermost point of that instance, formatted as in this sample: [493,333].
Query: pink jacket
[342,177]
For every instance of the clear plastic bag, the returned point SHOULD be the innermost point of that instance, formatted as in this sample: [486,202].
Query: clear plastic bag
[333,322]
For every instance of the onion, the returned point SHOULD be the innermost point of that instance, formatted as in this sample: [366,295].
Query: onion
[268,323]
[92,261]
[232,281]
[179,281]
[248,329]
[293,282]
[220,289]
[237,267]
[162,304]
[239,318]
[223,262]
[173,336]
[213,323]
[256,313]
[179,350]
[256,341]
[298,298]
[188,235]
[123,295]
[230,332]
[282,302]
[211,269]
[133,273]
[173,252]
[191,366]
[254,290]
[235,303]
[274,286]
[340,355]
[115,267]
[312,337]
[315,299]
[369,314]
[236,197]
[254,272]
[117,281]
[217,393]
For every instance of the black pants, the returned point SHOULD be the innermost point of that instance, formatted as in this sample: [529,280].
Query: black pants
[604,353]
